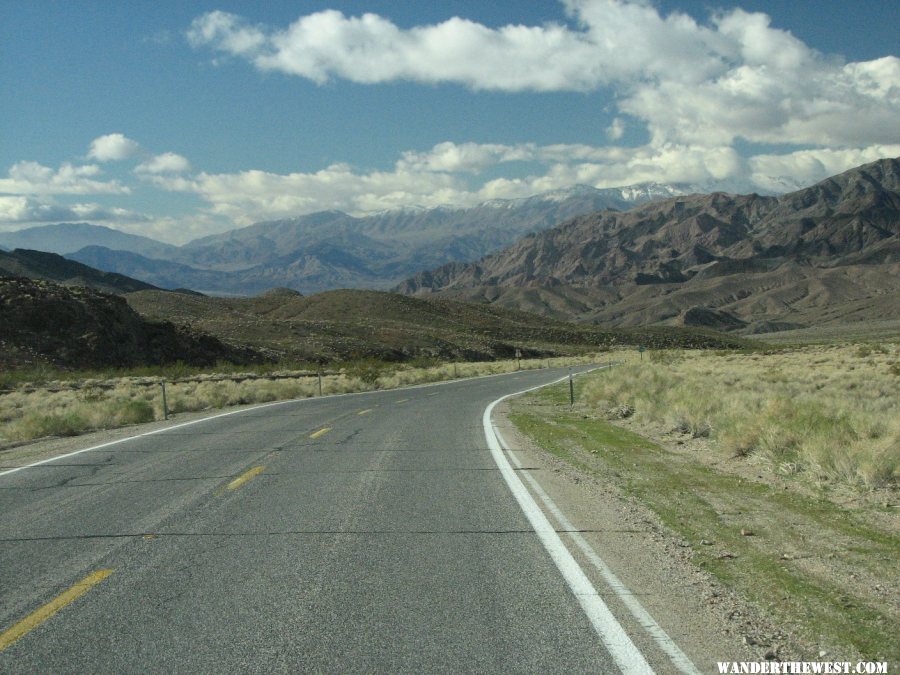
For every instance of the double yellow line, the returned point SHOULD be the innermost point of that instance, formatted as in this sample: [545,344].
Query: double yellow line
[40,615]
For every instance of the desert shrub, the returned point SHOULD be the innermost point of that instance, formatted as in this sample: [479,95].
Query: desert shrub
[664,356]
[424,362]
[40,425]
[366,370]
[132,412]
[91,393]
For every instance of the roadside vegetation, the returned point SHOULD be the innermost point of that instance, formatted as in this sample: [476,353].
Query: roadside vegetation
[46,402]
[776,472]
[825,414]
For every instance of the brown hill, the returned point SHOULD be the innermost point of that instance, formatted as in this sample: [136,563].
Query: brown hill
[44,322]
[352,324]
[808,256]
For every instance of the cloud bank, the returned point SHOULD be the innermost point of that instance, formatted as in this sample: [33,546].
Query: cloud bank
[700,84]
[23,209]
[442,176]
[29,177]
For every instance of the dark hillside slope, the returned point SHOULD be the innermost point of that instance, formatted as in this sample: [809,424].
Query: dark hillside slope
[52,267]
[352,324]
[78,327]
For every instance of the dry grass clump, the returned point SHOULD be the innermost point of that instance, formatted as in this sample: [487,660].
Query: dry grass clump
[106,404]
[24,416]
[829,413]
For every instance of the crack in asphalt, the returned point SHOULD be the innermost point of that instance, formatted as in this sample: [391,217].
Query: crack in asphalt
[154,536]
[68,482]
[370,447]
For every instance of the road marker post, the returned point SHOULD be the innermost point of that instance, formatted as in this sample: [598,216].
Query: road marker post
[165,402]
[319,375]
[571,389]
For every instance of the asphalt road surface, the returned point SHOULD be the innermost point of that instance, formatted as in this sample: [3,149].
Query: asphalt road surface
[369,532]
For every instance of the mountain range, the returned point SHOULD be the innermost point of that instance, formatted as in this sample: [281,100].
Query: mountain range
[827,253]
[652,255]
[329,249]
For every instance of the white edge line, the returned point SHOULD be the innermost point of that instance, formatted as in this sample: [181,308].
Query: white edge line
[679,659]
[626,655]
[6,472]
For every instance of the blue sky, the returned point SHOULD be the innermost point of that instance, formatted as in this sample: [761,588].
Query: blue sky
[179,119]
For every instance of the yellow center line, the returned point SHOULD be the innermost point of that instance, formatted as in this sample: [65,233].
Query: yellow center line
[364,412]
[320,432]
[40,615]
[402,400]
[244,477]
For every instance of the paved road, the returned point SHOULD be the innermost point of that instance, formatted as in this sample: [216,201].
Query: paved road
[378,535]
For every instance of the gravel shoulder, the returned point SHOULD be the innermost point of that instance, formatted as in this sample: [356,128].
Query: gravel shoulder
[706,620]
[732,566]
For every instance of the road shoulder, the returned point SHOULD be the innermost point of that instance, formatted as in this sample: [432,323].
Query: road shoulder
[706,620]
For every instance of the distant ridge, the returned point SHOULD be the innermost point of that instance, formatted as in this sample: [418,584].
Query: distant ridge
[78,324]
[331,249]
[63,238]
[352,324]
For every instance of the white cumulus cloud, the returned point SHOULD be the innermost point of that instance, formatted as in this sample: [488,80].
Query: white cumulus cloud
[28,177]
[465,157]
[167,162]
[113,147]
